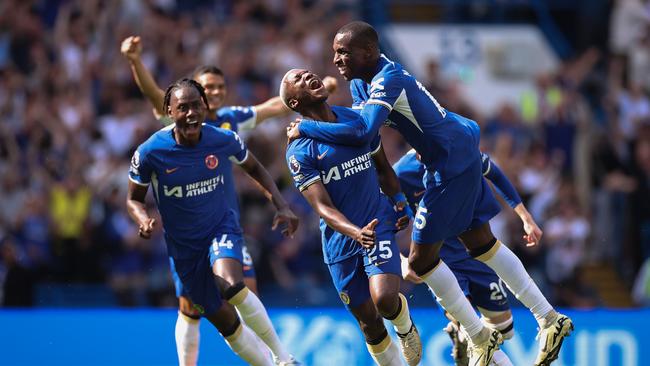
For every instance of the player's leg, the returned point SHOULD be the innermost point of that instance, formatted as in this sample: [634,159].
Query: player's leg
[485,290]
[227,256]
[380,345]
[351,282]
[250,279]
[201,287]
[503,322]
[186,332]
[383,268]
[424,260]
[554,327]
[238,337]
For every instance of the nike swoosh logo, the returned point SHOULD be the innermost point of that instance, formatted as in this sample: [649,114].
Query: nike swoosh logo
[169,171]
[418,194]
[319,157]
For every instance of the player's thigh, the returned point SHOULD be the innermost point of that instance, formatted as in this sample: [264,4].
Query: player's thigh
[422,256]
[452,206]
[384,290]
[383,269]
[199,285]
[477,237]
[227,257]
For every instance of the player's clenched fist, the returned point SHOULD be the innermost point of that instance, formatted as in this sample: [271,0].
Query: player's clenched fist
[131,48]
[146,228]
[367,236]
[293,132]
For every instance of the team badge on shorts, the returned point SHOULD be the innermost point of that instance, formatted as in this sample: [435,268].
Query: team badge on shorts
[226,126]
[211,161]
[344,297]
[199,308]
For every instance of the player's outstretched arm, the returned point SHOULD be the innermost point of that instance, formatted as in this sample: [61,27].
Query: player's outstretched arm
[320,201]
[261,176]
[132,49]
[137,210]
[506,189]
[354,132]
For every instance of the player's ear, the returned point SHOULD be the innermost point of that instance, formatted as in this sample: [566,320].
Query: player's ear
[293,103]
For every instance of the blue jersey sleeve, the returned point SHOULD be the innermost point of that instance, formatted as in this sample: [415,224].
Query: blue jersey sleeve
[236,148]
[384,91]
[501,183]
[375,145]
[140,170]
[245,117]
[302,164]
[357,91]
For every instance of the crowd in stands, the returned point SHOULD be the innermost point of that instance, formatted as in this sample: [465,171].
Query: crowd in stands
[577,145]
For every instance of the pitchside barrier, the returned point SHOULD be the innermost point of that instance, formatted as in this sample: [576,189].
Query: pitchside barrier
[316,336]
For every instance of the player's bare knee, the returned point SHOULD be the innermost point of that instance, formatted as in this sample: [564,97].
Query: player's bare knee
[422,265]
[387,303]
[233,292]
[482,248]
[186,307]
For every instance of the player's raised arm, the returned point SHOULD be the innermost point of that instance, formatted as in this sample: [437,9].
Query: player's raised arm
[132,49]
[320,201]
[284,215]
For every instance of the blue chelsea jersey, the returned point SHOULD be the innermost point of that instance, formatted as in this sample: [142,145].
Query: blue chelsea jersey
[447,142]
[235,118]
[350,178]
[192,185]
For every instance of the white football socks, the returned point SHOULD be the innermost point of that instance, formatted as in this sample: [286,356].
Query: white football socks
[402,322]
[254,315]
[500,359]
[385,353]
[187,340]
[445,287]
[507,266]
[246,345]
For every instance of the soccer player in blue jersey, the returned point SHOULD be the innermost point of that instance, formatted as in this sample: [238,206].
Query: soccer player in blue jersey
[358,222]
[457,200]
[478,281]
[232,261]
[189,166]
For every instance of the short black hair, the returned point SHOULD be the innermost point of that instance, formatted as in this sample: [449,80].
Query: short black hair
[361,34]
[181,83]
[206,69]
